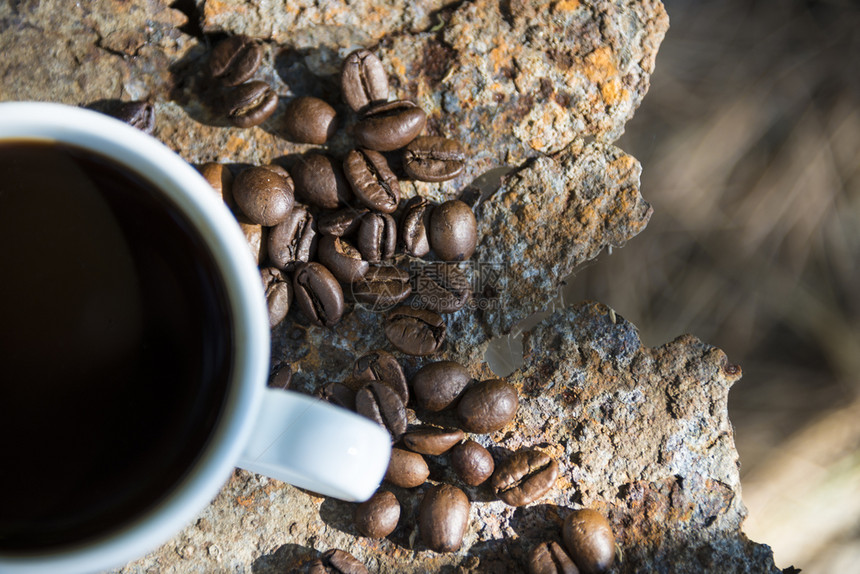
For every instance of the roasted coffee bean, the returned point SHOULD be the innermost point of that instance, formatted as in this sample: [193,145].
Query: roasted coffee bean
[432,440]
[337,394]
[589,539]
[389,126]
[437,386]
[377,517]
[320,181]
[234,60]
[550,558]
[293,240]
[472,462]
[441,287]
[341,258]
[140,115]
[318,294]
[280,170]
[341,223]
[281,377]
[257,238]
[382,288]
[263,196]
[406,469]
[414,225]
[377,237]
[487,406]
[220,178]
[372,181]
[433,158]
[443,517]
[363,80]
[309,120]
[250,104]
[379,402]
[336,561]
[379,365]
[415,331]
[279,294]
[524,477]
[453,231]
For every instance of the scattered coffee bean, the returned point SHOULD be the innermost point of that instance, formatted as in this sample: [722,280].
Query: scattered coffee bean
[472,462]
[257,238]
[389,126]
[550,558]
[280,170]
[443,517]
[320,181]
[318,294]
[372,181]
[377,237]
[309,120]
[264,196]
[413,227]
[432,440]
[379,365]
[524,477]
[341,223]
[377,517]
[415,331]
[281,377]
[589,539]
[279,294]
[379,402]
[437,386]
[433,158]
[442,287]
[293,240]
[221,179]
[234,60]
[487,406]
[140,115]
[341,258]
[336,561]
[382,287]
[453,231]
[337,394]
[250,104]
[363,80]
[406,469]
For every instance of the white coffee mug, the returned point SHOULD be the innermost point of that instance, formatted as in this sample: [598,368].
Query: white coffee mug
[282,434]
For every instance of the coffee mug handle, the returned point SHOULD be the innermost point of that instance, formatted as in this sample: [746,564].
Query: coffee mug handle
[315,445]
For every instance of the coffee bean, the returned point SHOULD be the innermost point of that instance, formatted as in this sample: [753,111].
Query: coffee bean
[234,60]
[336,561]
[432,440]
[413,227]
[309,120]
[318,294]
[406,469]
[140,115]
[382,287]
[589,539]
[363,80]
[487,406]
[279,294]
[443,517]
[379,402]
[433,158]
[453,231]
[437,386]
[550,558]
[281,377]
[320,181]
[341,223]
[379,365]
[278,169]
[415,331]
[220,178]
[524,477]
[250,104]
[372,181]
[441,287]
[337,394]
[293,240]
[256,236]
[472,462]
[377,517]
[264,196]
[377,237]
[341,258]
[389,126]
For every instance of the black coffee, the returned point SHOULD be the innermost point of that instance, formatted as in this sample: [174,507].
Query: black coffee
[115,345]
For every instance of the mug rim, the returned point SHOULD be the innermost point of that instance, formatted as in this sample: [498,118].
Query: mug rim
[185,187]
